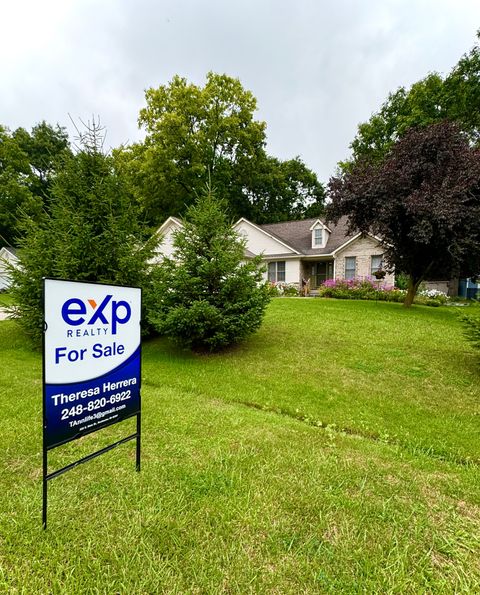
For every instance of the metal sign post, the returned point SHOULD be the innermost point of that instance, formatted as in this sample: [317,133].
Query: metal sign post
[91,366]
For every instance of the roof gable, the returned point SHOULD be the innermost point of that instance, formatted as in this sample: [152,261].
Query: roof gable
[171,222]
[299,234]
[319,223]
[165,235]
[8,253]
[354,238]
[261,241]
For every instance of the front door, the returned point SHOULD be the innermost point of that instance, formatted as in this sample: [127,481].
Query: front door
[320,272]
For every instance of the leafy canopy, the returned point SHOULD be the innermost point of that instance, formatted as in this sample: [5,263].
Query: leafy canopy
[199,135]
[28,162]
[423,199]
[208,296]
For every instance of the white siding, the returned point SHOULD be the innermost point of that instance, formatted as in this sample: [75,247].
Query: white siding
[165,248]
[6,257]
[4,280]
[258,241]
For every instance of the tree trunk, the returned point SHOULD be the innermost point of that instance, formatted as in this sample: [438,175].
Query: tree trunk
[413,285]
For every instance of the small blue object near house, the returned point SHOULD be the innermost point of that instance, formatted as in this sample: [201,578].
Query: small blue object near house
[469,289]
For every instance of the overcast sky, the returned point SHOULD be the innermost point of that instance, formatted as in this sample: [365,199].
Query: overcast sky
[317,68]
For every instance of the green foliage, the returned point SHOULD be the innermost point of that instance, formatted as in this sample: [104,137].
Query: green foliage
[278,190]
[27,167]
[423,200]
[208,135]
[15,194]
[455,97]
[90,234]
[401,281]
[44,146]
[207,297]
[369,289]
[471,323]
[358,289]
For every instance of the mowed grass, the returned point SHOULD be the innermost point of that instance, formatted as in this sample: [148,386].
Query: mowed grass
[336,451]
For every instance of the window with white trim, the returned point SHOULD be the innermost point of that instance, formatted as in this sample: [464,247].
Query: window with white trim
[276,271]
[376,263]
[350,267]
[318,236]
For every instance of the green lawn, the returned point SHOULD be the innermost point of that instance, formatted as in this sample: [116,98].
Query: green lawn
[336,451]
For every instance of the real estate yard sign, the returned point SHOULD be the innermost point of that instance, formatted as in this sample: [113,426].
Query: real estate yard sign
[92,362]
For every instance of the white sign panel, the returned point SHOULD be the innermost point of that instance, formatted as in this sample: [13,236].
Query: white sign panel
[91,357]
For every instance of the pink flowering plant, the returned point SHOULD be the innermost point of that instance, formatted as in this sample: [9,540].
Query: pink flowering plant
[361,289]
[375,289]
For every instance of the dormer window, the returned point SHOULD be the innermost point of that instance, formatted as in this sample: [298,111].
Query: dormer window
[320,233]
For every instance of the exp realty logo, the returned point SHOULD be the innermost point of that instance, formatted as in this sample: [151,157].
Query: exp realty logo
[109,313]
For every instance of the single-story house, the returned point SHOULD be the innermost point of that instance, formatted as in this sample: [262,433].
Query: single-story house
[312,250]
[8,256]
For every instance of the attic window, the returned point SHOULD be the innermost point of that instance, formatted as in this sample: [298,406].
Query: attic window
[318,236]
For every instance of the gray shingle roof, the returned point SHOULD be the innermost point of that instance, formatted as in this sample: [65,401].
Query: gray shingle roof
[297,234]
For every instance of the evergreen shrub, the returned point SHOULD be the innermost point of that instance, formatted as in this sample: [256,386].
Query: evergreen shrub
[208,296]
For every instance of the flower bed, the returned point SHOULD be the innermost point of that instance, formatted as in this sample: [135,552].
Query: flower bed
[282,289]
[371,289]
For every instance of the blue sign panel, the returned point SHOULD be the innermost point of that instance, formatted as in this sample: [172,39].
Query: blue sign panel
[91,358]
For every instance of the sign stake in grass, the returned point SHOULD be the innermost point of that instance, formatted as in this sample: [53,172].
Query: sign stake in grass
[91,365]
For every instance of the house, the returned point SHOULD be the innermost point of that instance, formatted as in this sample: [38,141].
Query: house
[8,256]
[165,233]
[312,250]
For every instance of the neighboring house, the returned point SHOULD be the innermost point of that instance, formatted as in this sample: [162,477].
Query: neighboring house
[7,256]
[310,250]
[464,288]
[165,232]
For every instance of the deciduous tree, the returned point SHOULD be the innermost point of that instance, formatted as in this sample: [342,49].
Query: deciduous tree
[209,135]
[454,97]
[28,162]
[423,199]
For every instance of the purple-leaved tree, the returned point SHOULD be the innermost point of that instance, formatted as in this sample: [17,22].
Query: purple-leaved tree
[423,200]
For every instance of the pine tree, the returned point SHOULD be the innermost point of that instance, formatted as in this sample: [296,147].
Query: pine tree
[90,234]
[208,296]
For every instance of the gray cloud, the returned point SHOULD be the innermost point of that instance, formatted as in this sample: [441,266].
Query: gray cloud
[317,68]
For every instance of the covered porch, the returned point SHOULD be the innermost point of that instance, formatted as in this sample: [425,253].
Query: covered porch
[317,271]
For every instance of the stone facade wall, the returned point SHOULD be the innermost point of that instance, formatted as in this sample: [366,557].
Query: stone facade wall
[438,286]
[363,249]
